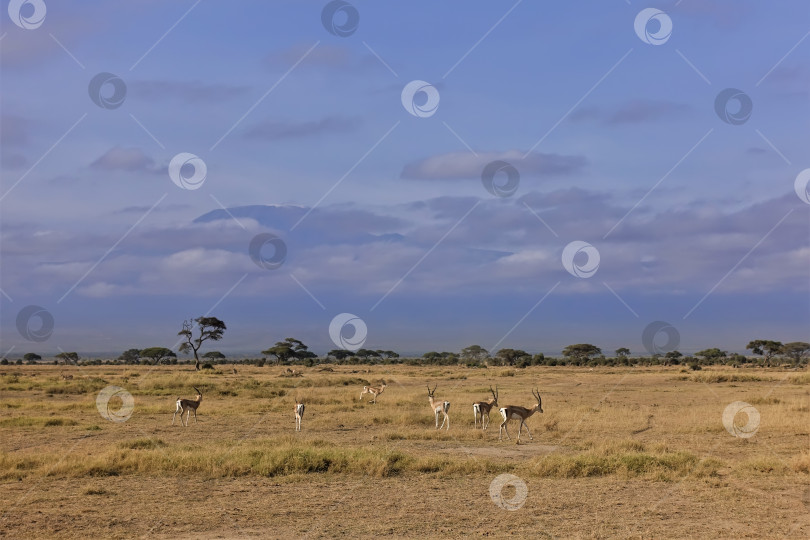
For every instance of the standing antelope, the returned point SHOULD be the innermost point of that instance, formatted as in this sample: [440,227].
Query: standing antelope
[374,391]
[512,412]
[439,407]
[186,406]
[299,414]
[482,408]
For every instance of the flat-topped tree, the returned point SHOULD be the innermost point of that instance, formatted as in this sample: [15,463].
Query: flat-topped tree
[130,356]
[68,357]
[510,357]
[581,351]
[339,354]
[157,354]
[210,328]
[765,348]
[622,352]
[796,350]
[289,349]
[713,355]
[214,355]
[475,353]
[32,357]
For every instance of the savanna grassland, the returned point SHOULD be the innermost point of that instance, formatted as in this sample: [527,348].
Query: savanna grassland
[618,452]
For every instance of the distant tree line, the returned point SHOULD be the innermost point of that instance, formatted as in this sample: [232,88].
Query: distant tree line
[291,351]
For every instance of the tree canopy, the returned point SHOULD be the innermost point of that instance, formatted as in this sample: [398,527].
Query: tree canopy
[765,348]
[581,351]
[157,353]
[796,350]
[289,349]
[209,328]
[68,357]
[130,356]
[474,353]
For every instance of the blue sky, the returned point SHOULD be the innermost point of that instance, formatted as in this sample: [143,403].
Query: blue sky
[384,214]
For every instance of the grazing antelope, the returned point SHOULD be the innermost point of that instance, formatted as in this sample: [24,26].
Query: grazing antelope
[482,408]
[374,391]
[66,377]
[512,412]
[186,406]
[299,414]
[439,407]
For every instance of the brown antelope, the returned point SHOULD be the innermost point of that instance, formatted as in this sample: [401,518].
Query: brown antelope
[66,377]
[186,406]
[299,414]
[374,391]
[513,412]
[482,408]
[439,407]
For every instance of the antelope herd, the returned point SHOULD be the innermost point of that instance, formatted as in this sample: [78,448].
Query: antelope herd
[481,409]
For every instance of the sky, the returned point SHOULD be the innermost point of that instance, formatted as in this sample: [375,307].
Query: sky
[510,174]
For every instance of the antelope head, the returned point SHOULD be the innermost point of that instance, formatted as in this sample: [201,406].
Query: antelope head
[536,394]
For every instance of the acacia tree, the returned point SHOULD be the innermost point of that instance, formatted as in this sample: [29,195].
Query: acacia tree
[339,354]
[68,357]
[157,354]
[712,355]
[622,352]
[581,351]
[130,356]
[210,328]
[32,357]
[289,349]
[796,350]
[475,353]
[765,348]
[510,357]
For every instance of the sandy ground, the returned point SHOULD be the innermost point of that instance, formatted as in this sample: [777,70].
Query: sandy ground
[328,507]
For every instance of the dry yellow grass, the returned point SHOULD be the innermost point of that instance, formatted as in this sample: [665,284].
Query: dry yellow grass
[619,452]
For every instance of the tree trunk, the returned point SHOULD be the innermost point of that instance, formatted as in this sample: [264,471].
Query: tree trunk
[196,361]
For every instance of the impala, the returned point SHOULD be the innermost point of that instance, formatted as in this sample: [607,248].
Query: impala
[482,408]
[439,407]
[374,391]
[186,406]
[513,412]
[299,414]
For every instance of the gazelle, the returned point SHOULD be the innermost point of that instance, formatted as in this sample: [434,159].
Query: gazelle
[66,377]
[512,412]
[186,406]
[374,391]
[482,408]
[299,414]
[439,407]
